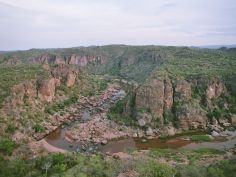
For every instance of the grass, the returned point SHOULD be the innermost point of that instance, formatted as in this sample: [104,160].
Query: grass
[205,138]
[7,146]
[162,152]
[209,151]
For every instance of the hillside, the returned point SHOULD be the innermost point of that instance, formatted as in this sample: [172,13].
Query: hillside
[135,62]
[162,92]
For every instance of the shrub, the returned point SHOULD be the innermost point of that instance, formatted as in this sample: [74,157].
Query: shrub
[200,138]
[38,128]
[209,151]
[7,146]
[153,168]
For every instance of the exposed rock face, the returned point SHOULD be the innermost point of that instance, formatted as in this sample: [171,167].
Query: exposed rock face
[30,88]
[47,90]
[188,112]
[190,117]
[65,74]
[12,61]
[59,60]
[150,98]
[45,59]
[154,97]
[215,89]
[157,96]
[182,91]
[75,59]
[80,60]
[71,78]
[25,89]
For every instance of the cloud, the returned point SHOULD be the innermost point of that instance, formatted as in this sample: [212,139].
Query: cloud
[60,23]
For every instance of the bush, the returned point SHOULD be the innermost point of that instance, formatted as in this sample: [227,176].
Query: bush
[7,146]
[209,151]
[51,109]
[153,168]
[200,138]
[38,128]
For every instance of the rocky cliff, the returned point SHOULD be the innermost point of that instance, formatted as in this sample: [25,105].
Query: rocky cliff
[74,59]
[44,89]
[165,102]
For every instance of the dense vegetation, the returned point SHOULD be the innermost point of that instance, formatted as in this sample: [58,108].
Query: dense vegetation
[96,165]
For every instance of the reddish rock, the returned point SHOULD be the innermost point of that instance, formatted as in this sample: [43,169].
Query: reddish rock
[122,156]
[59,60]
[168,94]
[44,59]
[71,78]
[154,97]
[215,89]
[12,61]
[150,97]
[30,88]
[22,90]
[183,90]
[47,90]
[191,116]
[80,60]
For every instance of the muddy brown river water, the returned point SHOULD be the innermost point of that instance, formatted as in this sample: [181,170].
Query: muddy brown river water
[57,139]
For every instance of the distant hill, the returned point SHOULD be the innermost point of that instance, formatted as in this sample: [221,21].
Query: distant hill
[217,46]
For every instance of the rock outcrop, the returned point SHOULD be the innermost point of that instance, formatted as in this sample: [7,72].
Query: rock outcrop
[215,89]
[74,59]
[162,101]
[71,78]
[44,59]
[47,89]
[59,60]
[23,90]
[12,61]
[153,98]
[65,75]
[80,60]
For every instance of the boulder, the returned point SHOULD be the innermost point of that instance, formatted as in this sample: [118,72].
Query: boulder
[122,156]
[104,142]
[215,134]
[169,130]
[143,119]
[149,132]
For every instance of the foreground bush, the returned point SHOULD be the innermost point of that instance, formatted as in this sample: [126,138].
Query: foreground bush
[7,146]
[153,168]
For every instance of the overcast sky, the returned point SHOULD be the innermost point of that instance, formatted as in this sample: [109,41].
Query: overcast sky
[28,24]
